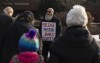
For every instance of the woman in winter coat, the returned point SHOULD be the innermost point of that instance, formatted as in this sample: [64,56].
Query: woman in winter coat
[76,45]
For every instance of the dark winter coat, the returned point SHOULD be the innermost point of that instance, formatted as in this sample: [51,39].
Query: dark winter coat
[5,22]
[11,38]
[75,46]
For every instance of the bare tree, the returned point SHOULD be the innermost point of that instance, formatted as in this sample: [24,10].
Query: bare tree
[69,3]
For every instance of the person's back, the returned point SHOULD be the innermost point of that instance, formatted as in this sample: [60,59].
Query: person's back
[13,34]
[6,18]
[76,45]
[5,22]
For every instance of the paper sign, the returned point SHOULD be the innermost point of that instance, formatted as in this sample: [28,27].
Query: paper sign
[97,37]
[48,31]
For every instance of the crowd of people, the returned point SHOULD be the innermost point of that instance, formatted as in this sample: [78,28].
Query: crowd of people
[20,42]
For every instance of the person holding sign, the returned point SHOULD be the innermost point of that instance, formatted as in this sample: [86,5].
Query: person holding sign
[49,30]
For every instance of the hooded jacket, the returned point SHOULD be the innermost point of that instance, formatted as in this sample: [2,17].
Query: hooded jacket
[76,45]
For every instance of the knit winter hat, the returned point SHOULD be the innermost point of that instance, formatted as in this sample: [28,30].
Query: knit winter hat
[26,57]
[77,16]
[29,41]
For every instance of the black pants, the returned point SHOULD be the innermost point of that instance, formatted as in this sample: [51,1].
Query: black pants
[46,46]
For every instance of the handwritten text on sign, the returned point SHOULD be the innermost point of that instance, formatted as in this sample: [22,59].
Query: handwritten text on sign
[48,31]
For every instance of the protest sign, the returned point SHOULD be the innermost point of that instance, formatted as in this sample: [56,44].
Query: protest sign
[48,31]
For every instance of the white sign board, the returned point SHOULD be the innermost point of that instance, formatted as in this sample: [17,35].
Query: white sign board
[97,37]
[48,31]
